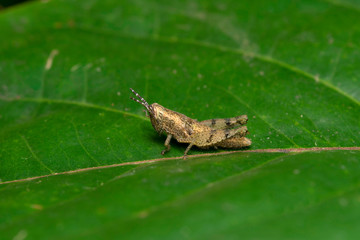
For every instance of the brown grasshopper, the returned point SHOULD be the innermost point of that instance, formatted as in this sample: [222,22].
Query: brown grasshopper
[205,134]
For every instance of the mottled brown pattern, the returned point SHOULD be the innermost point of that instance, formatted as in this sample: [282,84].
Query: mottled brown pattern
[213,122]
[222,123]
[212,132]
[224,133]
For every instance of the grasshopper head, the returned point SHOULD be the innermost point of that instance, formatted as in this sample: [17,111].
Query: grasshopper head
[157,116]
[155,111]
[142,102]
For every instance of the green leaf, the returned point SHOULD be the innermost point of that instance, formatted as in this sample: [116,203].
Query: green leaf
[94,159]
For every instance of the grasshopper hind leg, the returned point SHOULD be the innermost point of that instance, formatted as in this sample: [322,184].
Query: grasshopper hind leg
[228,138]
[234,142]
[225,123]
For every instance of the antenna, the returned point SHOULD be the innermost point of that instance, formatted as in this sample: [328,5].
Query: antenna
[142,102]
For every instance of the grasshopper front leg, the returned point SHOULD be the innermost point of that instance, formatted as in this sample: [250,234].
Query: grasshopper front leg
[167,144]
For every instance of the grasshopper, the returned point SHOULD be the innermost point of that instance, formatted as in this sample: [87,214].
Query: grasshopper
[224,133]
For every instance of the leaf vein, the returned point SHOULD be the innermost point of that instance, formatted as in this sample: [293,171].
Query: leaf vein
[82,145]
[261,57]
[35,156]
[69,102]
[193,192]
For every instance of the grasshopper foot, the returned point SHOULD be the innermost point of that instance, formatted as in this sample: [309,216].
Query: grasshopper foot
[167,144]
[168,147]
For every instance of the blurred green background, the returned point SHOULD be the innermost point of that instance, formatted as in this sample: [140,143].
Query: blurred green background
[8,3]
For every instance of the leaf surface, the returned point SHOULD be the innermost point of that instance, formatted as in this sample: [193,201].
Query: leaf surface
[65,73]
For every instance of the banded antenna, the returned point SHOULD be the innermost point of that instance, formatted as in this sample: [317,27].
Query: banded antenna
[142,102]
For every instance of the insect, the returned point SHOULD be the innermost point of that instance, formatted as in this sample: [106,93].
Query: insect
[225,133]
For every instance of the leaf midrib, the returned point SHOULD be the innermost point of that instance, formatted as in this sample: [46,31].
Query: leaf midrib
[188,195]
[142,162]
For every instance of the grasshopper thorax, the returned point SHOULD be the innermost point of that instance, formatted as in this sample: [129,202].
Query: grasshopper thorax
[157,116]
